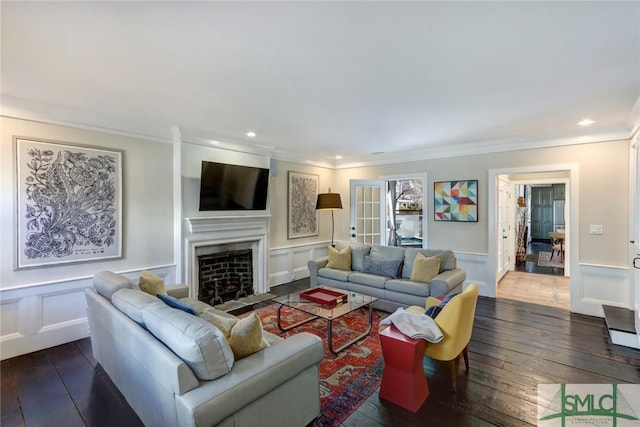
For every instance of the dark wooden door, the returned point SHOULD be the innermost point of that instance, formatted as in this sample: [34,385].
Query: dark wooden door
[541,212]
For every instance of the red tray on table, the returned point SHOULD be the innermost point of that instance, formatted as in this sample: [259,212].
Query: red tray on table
[324,296]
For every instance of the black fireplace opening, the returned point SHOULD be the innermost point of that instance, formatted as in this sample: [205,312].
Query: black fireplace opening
[225,276]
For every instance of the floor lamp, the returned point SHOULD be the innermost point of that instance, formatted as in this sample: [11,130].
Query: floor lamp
[329,202]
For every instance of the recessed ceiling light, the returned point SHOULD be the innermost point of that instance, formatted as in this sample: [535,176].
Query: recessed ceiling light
[585,122]
[214,142]
[338,157]
[251,134]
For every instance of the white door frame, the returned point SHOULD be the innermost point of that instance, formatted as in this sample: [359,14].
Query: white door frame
[572,232]
[425,201]
[505,257]
[634,227]
[353,215]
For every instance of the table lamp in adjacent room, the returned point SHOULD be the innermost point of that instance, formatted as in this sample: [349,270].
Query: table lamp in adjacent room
[329,202]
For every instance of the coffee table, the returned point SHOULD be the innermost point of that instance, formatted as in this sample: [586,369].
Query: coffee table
[329,313]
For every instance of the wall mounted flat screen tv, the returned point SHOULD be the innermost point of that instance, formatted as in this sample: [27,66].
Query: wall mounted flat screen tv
[232,187]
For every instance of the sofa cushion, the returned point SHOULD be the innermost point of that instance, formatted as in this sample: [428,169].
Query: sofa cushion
[131,302]
[151,284]
[425,268]
[372,280]
[357,256]
[447,259]
[198,306]
[106,283]
[387,252]
[408,287]
[340,260]
[246,336]
[332,273]
[194,340]
[175,303]
[382,266]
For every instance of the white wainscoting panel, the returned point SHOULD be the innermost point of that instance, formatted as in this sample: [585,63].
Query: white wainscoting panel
[9,317]
[475,266]
[290,263]
[600,285]
[44,315]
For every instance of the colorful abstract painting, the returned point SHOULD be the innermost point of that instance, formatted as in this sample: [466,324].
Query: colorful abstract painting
[456,201]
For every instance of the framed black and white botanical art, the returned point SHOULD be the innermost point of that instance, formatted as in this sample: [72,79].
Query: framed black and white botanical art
[69,203]
[302,215]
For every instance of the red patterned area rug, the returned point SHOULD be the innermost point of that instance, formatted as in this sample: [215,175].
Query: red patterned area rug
[346,379]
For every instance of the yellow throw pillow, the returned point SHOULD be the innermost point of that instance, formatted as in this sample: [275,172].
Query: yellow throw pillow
[246,337]
[225,324]
[340,259]
[151,284]
[425,268]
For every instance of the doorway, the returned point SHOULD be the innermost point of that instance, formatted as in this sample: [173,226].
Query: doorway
[527,276]
[541,225]
[389,211]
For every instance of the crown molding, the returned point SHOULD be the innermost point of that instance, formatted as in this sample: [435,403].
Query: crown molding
[286,156]
[633,119]
[223,142]
[18,108]
[23,109]
[486,147]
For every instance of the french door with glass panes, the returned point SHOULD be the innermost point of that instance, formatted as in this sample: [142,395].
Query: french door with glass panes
[368,212]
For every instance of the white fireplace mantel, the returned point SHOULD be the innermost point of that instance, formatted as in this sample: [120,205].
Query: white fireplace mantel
[222,230]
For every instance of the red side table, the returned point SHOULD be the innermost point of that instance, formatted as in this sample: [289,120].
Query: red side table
[403,379]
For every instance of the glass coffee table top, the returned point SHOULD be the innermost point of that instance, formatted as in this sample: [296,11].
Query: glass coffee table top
[329,313]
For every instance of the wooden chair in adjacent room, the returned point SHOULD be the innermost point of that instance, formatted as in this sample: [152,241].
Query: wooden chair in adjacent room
[557,244]
[455,320]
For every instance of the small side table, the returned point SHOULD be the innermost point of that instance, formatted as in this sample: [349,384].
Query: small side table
[403,379]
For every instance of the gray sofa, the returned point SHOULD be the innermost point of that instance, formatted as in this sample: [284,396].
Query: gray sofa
[391,292]
[278,385]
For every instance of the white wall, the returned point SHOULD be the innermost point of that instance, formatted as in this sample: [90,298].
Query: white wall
[40,307]
[192,157]
[603,199]
[279,205]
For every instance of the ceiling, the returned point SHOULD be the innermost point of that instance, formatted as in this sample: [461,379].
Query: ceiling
[320,79]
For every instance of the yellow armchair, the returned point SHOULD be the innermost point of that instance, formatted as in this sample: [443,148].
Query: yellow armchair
[456,323]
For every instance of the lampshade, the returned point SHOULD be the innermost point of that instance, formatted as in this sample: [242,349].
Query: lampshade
[328,201]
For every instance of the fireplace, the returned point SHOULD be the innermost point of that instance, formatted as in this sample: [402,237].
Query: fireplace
[224,276]
[240,242]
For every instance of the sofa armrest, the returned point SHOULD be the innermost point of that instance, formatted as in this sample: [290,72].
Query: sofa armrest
[177,291]
[249,379]
[314,265]
[446,281]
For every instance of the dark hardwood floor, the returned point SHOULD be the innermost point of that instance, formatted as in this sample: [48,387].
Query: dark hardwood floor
[531,260]
[515,346]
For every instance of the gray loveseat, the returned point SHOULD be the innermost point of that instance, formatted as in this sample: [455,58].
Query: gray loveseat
[278,385]
[392,292]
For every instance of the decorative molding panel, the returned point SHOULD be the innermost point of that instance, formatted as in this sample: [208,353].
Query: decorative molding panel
[475,266]
[289,264]
[599,285]
[36,317]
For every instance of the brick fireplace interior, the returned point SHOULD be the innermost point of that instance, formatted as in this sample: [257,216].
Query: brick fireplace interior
[225,276]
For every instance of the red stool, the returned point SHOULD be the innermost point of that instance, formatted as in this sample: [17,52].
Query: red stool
[403,379]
